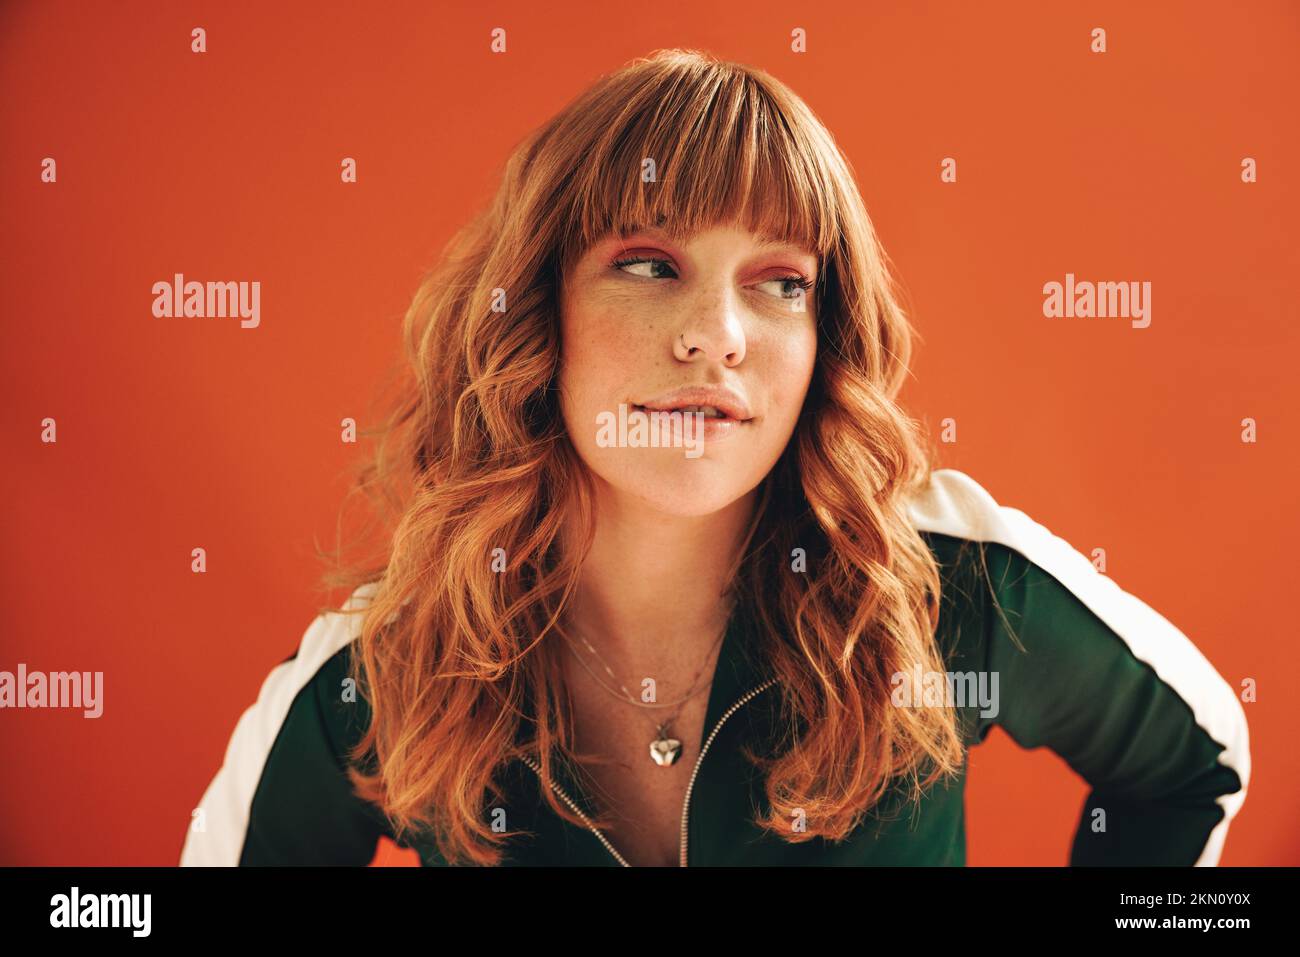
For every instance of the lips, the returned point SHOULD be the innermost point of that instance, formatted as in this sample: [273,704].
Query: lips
[709,411]
[728,404]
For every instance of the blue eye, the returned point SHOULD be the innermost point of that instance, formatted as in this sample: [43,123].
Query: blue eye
[800,283]
[643,260]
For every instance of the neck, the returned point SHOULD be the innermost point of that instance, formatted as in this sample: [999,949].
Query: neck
[651,587]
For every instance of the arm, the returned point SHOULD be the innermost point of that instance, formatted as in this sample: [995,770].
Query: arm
[1124,697]
[1097,676]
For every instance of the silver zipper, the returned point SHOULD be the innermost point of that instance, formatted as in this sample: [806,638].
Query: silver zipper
[686,805]
[527,759]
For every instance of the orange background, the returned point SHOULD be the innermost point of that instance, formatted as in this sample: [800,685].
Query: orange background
[225,165]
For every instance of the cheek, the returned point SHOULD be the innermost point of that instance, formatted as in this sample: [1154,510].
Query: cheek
[789,372]
[597,347]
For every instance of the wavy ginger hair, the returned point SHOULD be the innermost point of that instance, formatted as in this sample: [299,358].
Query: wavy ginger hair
[452,656]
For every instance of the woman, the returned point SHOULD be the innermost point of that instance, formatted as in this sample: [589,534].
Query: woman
[671,579]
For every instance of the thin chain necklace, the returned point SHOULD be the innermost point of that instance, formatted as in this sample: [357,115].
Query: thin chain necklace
[664,748]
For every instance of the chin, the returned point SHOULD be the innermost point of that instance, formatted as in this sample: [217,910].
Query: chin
[678,486]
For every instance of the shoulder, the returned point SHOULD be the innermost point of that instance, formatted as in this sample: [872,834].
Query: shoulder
[313,677]
[321,660]
[967,528]
[956,506]
[982,545]
[1043,579]
[1032,571]
[294,736]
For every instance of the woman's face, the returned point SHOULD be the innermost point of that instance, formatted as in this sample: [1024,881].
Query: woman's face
[642,318]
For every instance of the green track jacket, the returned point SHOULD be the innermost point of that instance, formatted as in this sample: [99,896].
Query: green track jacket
[1104,681]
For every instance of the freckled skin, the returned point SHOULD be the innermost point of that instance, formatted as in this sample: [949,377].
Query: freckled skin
[621,332]
[650,588]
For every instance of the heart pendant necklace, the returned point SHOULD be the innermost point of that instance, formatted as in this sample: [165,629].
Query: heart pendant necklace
[665,748]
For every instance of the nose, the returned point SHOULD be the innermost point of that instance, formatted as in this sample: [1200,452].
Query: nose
[712,329]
